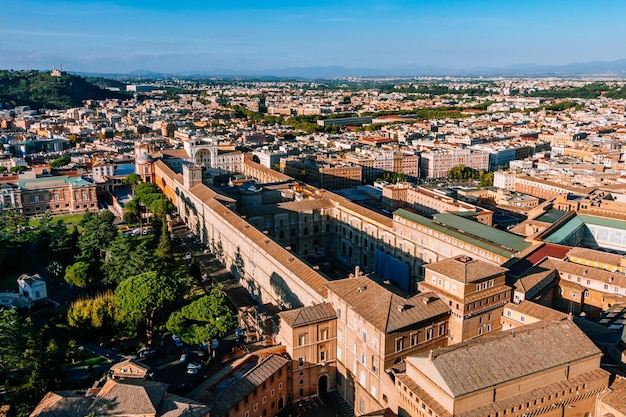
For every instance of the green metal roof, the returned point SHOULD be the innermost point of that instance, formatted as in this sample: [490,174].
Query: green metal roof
[603,221]
[44,182]
[75,181]
[478,234]
[563,232]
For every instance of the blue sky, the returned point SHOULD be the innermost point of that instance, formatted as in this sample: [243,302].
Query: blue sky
[252,36]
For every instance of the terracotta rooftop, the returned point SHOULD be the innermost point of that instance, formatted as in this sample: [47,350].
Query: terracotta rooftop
[385,307]
[537,311]
[228,398]
[466,269]
[115,398]
[62,404]
[534,276]
[596,256]
[477,364]
[308,315]
[128,398]
[570,268]
[537,255]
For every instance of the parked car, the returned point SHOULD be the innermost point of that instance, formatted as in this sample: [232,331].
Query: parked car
[177,341]
[192,371]
[146,352]
[183,357]
[194,365]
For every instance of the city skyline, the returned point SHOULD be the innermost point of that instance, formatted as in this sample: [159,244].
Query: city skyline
[251,38]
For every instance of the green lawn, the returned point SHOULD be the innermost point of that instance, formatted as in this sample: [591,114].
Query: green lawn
[67,219]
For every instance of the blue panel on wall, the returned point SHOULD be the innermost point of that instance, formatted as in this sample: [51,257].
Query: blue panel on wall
[390,268]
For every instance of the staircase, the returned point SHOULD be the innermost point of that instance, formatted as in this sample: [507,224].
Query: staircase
[346,409]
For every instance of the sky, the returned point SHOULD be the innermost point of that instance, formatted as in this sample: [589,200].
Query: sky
[210,36]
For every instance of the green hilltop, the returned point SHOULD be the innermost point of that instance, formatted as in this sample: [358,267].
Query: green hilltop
[43,90]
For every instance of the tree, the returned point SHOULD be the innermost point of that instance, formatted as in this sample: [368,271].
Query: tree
[143,298]
[55,269]
[25,351]
[60,162]
[486,179]
[133,180]
[99,313]
[123,260]
[98,233]
[78,274]
[18,168]
[206,318]
[463,172]
[2,168]
[164,249]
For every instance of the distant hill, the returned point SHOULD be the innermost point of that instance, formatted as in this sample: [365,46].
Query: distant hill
[42,90]
[580,69]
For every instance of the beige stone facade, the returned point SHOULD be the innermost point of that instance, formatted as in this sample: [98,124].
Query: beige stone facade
[376,328]
[474,290]
[310,336]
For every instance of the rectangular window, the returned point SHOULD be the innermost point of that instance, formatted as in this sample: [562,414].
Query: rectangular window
[362,378]
[322,356]
[413,339]
[302,339]
[301,361]
[399,344]
[375,364]
[429,333]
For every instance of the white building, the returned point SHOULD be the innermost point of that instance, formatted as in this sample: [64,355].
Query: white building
[32,287]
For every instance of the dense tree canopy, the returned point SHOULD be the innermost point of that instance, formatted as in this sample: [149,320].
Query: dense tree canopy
[42,90]
[125,259]
[98,233]
[99,312]
[145,296]
[24,351]
[204,319]
[78,274]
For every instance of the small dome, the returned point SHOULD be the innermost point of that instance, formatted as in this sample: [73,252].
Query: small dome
[144,159]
